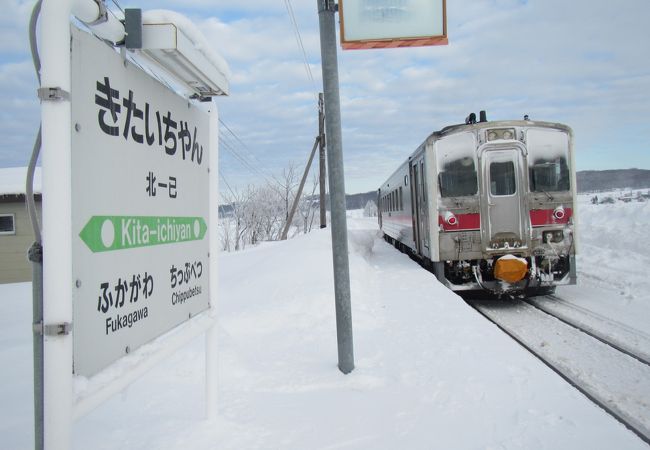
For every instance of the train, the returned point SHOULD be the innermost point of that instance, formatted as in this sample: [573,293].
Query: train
[488,206]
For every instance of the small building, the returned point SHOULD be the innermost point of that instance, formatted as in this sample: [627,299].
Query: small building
[16,233]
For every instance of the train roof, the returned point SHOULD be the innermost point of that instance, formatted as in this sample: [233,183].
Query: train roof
[497,123]
[451,129]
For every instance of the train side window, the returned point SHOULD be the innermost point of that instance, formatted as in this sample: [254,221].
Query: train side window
[502,178]
[424,183]
[401,199]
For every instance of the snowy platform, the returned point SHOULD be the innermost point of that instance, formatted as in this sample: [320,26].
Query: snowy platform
[430,371]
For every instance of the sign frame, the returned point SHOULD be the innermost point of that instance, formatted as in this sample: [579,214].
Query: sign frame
[60,396]
[393,42]
[140,204]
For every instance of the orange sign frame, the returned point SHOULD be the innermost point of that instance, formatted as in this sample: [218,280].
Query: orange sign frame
[418,41]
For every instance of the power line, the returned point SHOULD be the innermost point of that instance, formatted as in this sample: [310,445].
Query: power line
[118,5]
[221,177]
[294,23]
[243,144]
[254,165]
[254,170]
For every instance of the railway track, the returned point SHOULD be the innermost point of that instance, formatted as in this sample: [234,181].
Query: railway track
[626,339]
[589,351]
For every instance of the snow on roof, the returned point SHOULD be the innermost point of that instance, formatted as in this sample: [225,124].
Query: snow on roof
[12,180]
[192,32]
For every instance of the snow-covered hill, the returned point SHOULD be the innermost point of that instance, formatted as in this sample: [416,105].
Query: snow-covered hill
[430,372]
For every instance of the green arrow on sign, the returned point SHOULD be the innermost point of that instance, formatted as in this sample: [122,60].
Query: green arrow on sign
[107,233]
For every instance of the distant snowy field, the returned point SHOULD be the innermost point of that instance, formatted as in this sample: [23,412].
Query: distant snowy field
[430,372]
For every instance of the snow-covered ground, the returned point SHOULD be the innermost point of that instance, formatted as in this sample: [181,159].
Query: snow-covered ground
[613,260]
[430,372]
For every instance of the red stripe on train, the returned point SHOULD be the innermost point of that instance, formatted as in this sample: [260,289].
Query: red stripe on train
[464,222]
[541,217]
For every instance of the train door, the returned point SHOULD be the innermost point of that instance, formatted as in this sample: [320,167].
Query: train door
[419,194]
[379,208]
[413,173]
[502,193]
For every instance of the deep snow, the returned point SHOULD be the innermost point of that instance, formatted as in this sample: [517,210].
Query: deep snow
[430,372]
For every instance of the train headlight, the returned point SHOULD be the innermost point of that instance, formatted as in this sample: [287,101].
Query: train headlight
[500,133]
[559,213]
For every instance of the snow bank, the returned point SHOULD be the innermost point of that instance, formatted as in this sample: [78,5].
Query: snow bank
[613,260]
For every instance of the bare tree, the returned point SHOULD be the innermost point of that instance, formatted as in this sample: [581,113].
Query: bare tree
[260,213]
[287,183]
[307,206]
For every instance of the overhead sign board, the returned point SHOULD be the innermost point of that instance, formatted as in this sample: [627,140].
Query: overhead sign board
[392,23]
[140,194]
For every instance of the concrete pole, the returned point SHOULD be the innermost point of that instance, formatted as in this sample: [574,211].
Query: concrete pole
[322,162]
[326,10]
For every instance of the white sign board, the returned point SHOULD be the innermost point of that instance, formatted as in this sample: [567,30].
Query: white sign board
[392,23]
[139,206]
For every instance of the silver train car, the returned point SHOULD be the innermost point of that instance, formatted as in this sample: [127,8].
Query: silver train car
[488,206]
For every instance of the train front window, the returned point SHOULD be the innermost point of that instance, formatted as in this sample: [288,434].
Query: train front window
[502,178]
[457,175]
[548,156]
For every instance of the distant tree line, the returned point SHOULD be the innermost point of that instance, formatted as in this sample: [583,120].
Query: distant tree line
[606,180]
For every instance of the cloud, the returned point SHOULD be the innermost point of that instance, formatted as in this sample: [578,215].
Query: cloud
[581,62]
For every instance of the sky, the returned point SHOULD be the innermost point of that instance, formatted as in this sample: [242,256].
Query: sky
[582,63]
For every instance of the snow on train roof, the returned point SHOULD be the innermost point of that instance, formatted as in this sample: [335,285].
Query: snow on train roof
[501,123]
[12,180]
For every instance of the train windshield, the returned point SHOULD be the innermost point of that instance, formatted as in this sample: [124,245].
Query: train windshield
[457,165]
[548,160]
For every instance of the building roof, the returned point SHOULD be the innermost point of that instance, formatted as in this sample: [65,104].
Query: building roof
[12,180]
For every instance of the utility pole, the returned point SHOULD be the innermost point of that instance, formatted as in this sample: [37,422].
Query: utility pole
[321,155]
[326,10]
[296,200]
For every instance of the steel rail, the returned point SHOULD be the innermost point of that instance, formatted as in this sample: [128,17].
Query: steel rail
[590,332]
[602,403]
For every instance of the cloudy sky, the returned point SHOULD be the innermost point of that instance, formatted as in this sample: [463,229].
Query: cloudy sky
[584,63]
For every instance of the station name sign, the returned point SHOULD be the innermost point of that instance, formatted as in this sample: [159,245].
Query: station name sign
[140,206]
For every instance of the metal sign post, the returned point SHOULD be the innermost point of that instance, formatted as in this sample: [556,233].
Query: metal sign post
[326,10]
[57,205]
[370,24]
